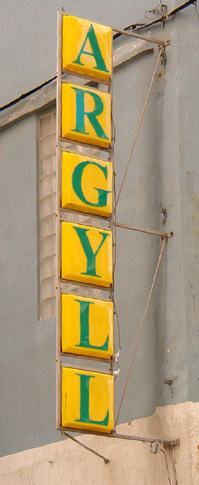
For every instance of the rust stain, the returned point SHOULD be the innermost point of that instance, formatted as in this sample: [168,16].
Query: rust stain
[194,308]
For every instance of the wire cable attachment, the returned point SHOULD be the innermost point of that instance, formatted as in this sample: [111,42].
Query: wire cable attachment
[141,328]
[139,126]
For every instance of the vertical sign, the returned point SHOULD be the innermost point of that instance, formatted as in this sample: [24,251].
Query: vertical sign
[85,397]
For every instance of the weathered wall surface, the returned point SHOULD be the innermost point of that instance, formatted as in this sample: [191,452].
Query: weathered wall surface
[27,354]
[178,188]
[130,462]
[163,174]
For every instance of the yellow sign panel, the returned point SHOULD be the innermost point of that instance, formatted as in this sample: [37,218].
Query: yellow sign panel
[87,400]
[86,254]
[86,184]
[86,115]
[87,326]
[86,47]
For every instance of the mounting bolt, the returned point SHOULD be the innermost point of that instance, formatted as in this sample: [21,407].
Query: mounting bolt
[172,443]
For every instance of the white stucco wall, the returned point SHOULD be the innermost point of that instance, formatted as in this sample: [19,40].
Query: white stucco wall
[130,462]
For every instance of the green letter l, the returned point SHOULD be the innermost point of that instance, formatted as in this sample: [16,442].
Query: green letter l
[84,402]
[84,327]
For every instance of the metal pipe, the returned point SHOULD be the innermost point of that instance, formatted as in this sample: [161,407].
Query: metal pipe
[143,37]
[115,435]
[106,460]
[147,231]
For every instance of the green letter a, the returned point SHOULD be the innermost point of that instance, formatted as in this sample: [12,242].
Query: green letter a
[96,53]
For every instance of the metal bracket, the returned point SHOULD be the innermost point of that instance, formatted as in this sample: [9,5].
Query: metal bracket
[154,443]
[172,443]
[146,231]
[106,460]
[115,435]
[154,447]
[162,43]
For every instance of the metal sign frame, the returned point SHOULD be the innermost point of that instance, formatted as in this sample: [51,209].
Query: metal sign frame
[62,214]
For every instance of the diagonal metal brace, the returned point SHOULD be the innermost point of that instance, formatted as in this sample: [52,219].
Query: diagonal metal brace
[106,460]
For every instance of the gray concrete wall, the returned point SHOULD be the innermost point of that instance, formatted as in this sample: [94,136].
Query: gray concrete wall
[27,354]
[177,135]
[163,174]
[136,253]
